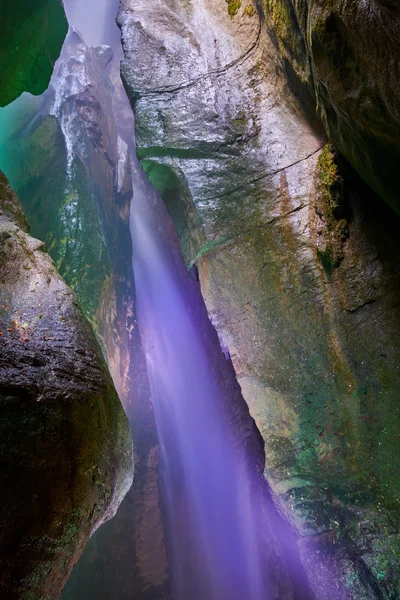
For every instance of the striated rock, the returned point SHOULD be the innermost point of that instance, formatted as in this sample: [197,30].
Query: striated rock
[65,447]
[347,54]
[298,265]
[32,34]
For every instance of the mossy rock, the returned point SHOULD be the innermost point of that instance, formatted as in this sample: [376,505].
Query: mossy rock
[233,7]
[31,38]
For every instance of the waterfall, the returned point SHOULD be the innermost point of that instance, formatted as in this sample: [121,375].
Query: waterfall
[212,508]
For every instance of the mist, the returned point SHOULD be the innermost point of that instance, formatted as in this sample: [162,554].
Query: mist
[95,20]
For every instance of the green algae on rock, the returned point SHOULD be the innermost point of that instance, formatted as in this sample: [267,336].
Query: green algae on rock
[233,7]
[65,445]
[67,220]
[331,208]
[83,216]
[32,34]
[68,209]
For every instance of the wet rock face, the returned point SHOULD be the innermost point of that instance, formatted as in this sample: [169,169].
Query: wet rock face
[32,34]
[348,55]
[298,264]
[65,448]
[126,557]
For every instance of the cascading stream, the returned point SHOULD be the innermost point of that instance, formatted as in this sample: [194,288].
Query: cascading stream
[213,517]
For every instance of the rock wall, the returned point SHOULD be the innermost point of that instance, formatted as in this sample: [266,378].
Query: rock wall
[66,449]
[347,55]
[66,162]
[126,558]
[298,266]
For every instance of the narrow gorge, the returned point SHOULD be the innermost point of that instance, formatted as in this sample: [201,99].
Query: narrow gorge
[212,250]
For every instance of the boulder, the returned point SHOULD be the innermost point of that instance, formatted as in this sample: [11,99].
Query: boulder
[65,445]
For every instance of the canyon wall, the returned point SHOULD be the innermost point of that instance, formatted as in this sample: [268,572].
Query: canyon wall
[346,54]
[237,103]
[66,448]
[298,264]
[65,160]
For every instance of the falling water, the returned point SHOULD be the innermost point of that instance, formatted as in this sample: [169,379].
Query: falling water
[213,524]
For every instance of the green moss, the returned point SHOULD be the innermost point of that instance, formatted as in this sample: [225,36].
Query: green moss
[209,247]
[330,207]
[249,10]
[282,21]
[233,7]
[327,167]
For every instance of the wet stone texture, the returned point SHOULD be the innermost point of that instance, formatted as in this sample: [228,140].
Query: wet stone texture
[126,557]
[63,157]
[298,264]
[65,445]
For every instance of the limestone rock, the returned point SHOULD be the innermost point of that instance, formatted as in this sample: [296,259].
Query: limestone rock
[126,557]
[71,171]
[70,164]
[66,450]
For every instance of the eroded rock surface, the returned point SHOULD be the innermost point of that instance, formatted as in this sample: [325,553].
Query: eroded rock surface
[64,158]
[126,558]
[299,270]
[66,450]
